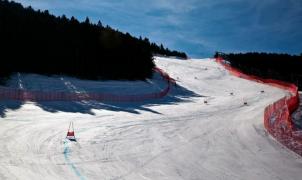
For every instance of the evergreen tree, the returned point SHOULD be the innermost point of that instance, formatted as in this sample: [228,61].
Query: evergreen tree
[283,67]
[100,25]
[37,42]
[87,21]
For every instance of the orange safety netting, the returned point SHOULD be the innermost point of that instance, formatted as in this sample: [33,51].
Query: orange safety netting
[277,116]
[27,95]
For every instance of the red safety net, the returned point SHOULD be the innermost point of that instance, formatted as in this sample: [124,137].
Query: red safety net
[26,95]
[277,116]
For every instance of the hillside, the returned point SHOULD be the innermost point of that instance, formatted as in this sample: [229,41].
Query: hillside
[283,67]
[37,42]
[177,137]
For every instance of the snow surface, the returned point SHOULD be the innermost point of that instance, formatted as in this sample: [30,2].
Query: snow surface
[297,115]
[178,137]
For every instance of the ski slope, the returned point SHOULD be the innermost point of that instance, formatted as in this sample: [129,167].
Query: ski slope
[177,137]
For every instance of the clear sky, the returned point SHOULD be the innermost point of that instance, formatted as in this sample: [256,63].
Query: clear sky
[198,27]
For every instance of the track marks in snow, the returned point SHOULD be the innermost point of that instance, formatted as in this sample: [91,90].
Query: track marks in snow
[184,140]
[67,152]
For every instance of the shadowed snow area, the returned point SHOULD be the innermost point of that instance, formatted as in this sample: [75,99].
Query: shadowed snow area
[297,116]
[33,82]
[177,137]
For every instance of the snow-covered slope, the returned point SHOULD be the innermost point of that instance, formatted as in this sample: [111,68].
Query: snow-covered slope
[178,137]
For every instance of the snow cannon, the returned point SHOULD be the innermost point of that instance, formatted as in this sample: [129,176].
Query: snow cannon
[70,133]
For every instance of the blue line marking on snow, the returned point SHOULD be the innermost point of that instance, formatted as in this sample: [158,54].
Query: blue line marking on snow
[71,165]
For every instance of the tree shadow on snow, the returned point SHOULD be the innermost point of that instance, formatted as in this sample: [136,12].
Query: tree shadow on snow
[6,105]
[176,95]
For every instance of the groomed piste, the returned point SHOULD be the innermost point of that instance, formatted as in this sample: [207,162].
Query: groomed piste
[175,137]
[277,116]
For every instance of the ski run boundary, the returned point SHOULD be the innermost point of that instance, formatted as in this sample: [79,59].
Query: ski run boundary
[277,116]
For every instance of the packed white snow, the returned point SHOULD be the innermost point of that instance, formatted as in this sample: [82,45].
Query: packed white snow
[178,137]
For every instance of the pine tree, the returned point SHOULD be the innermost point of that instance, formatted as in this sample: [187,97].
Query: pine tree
[87,21]
[100,24]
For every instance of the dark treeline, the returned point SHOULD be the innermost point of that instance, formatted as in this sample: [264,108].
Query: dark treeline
[37,42]
[283,67]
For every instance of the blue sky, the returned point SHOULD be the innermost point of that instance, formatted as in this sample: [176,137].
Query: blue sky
[198,27]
